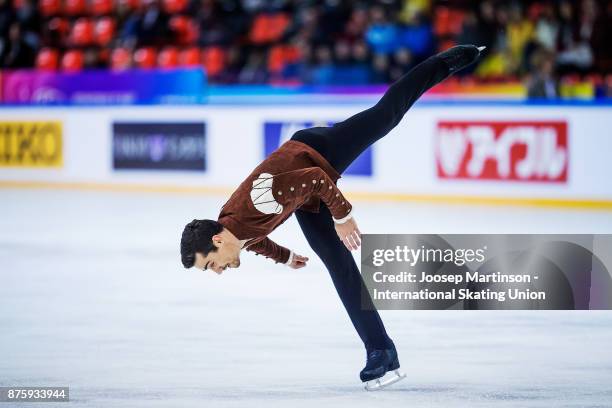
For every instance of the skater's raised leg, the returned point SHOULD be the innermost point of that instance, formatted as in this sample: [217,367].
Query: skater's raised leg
[342,143]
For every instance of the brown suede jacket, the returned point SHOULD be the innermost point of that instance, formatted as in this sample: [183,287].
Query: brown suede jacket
[294,176]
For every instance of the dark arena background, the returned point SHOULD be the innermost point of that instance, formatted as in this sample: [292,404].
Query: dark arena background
[122,120]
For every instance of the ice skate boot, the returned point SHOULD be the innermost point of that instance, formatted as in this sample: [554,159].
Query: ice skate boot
[460,56]
[379,362]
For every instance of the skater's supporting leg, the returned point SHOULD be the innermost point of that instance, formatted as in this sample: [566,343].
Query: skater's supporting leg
[322,237]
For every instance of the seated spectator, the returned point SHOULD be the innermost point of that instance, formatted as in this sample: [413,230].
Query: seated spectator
[254,72]
[403,60]
[323,72]
[382,36]
[574,40]
[7,16]
[29,19]
[412,9]
[417,37]
[380,72]
[543,84]
[150,26]
[600,39]
[519,32]
[15,52]
[318,42]
[477,29]
[547,28]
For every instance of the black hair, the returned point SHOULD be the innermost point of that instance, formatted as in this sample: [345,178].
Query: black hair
[197,237]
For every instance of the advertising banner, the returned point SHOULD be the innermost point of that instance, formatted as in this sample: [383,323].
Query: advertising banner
[528,156]
[104,87]
[31,144]
[277,133]
[515,151]
[159,146]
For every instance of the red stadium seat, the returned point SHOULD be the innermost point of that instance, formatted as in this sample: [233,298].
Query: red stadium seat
[276,59]
[189,57]
[268,28]
[47,59]
[145,58]
[213,59]
[178,24]
[446,44]
[185,29]
[82,32]
[49,7]
[292,53]
[120,59]
[18,4]
[168,58]
[174,6]
[104,31]
[104,57]
[101,7]
[59,26]
[72,61]
[441,20]
[74,7]
[535,10]
[192,33]
[595,79]
[131,4]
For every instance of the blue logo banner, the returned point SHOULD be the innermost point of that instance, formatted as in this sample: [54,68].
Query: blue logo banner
[277,133]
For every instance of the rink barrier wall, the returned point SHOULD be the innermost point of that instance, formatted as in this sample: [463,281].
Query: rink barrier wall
[594,205]
[474,154]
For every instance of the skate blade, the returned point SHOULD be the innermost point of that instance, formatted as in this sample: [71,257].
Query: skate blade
[382,382]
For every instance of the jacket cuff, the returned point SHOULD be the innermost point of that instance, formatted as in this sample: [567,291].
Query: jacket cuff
[343,219]
[290,258]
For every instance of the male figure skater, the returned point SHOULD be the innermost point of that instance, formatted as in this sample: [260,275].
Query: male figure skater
[300,177]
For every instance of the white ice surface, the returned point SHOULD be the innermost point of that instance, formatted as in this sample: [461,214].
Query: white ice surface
[93,296]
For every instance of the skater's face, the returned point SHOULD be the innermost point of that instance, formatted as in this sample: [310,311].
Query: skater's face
[226,256]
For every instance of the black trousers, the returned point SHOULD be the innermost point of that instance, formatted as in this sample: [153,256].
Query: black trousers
[341,144]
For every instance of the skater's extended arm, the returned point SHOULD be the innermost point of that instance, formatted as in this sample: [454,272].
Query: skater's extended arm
[271,249]
[309,182]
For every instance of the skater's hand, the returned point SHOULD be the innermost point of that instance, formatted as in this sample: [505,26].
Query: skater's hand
[298,261]
[349,234]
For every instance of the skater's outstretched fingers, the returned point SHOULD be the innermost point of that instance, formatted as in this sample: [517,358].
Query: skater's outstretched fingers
[357,236]
[349,234]
[347,243]
[298,261]
[352,242]
[357,241]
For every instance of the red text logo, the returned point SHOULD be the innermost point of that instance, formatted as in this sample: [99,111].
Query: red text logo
[520,151]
